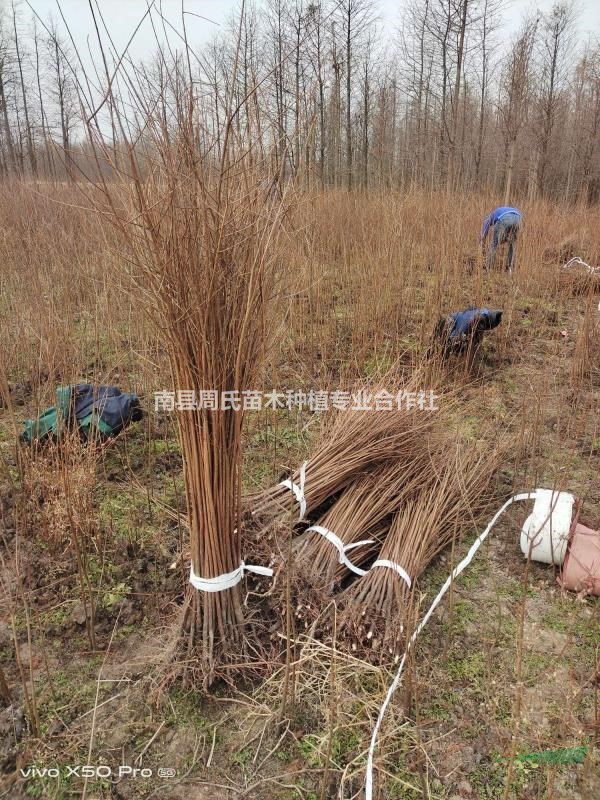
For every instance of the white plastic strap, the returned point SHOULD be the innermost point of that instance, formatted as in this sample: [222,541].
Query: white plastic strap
[341,547]
[581,263]
[298,489]
[449,580]
[383,562]
[228,580]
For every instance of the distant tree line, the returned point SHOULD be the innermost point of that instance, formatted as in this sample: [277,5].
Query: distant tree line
[439,100]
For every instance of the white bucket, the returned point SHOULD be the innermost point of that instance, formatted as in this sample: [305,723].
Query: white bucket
[545,534]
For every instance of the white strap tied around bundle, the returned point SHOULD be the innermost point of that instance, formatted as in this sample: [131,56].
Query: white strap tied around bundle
[341,547]
[298,490]
[384,562]
[228,580]
[449,580]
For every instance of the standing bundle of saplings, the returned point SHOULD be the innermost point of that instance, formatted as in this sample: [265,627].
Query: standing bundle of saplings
[199,217]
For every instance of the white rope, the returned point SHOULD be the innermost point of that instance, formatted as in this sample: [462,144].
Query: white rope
[383,562]
[396,682]
[581,263]
[298,490]
[341,547]
[228,580]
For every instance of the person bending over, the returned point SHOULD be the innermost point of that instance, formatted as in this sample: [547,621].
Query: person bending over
[506,222]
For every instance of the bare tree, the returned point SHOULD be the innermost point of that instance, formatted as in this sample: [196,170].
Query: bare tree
[47,153]
[489,23]
[62,90]
[515,96]
[11,159]
[555,38]
[588,122]
[440,27]
[367,81]
[439,106]
[335,114]
[356,16]
[417,63]
[461,15]
[318,44]
[28,127]
[277,17]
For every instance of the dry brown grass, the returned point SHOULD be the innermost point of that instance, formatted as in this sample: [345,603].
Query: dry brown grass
[368,277]
[371,275]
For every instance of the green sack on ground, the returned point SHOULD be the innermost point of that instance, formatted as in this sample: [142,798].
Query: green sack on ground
[52,422]
[96,412]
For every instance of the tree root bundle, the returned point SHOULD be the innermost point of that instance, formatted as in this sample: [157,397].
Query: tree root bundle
[454,497]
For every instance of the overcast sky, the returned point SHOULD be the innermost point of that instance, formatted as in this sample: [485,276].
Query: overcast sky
[122,16]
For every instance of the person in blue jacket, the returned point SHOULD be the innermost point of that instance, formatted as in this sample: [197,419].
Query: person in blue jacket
[462,331]
[506,222]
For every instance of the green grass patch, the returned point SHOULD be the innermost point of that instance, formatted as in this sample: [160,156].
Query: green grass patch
[186,707]
[471,667]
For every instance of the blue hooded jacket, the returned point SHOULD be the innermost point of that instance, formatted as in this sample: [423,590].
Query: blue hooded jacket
[497,214]
[464,320]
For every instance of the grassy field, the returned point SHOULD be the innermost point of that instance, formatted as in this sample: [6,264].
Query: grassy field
[509,660]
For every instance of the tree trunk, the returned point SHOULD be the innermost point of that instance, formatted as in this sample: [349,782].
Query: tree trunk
[509,172]
[349,95]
